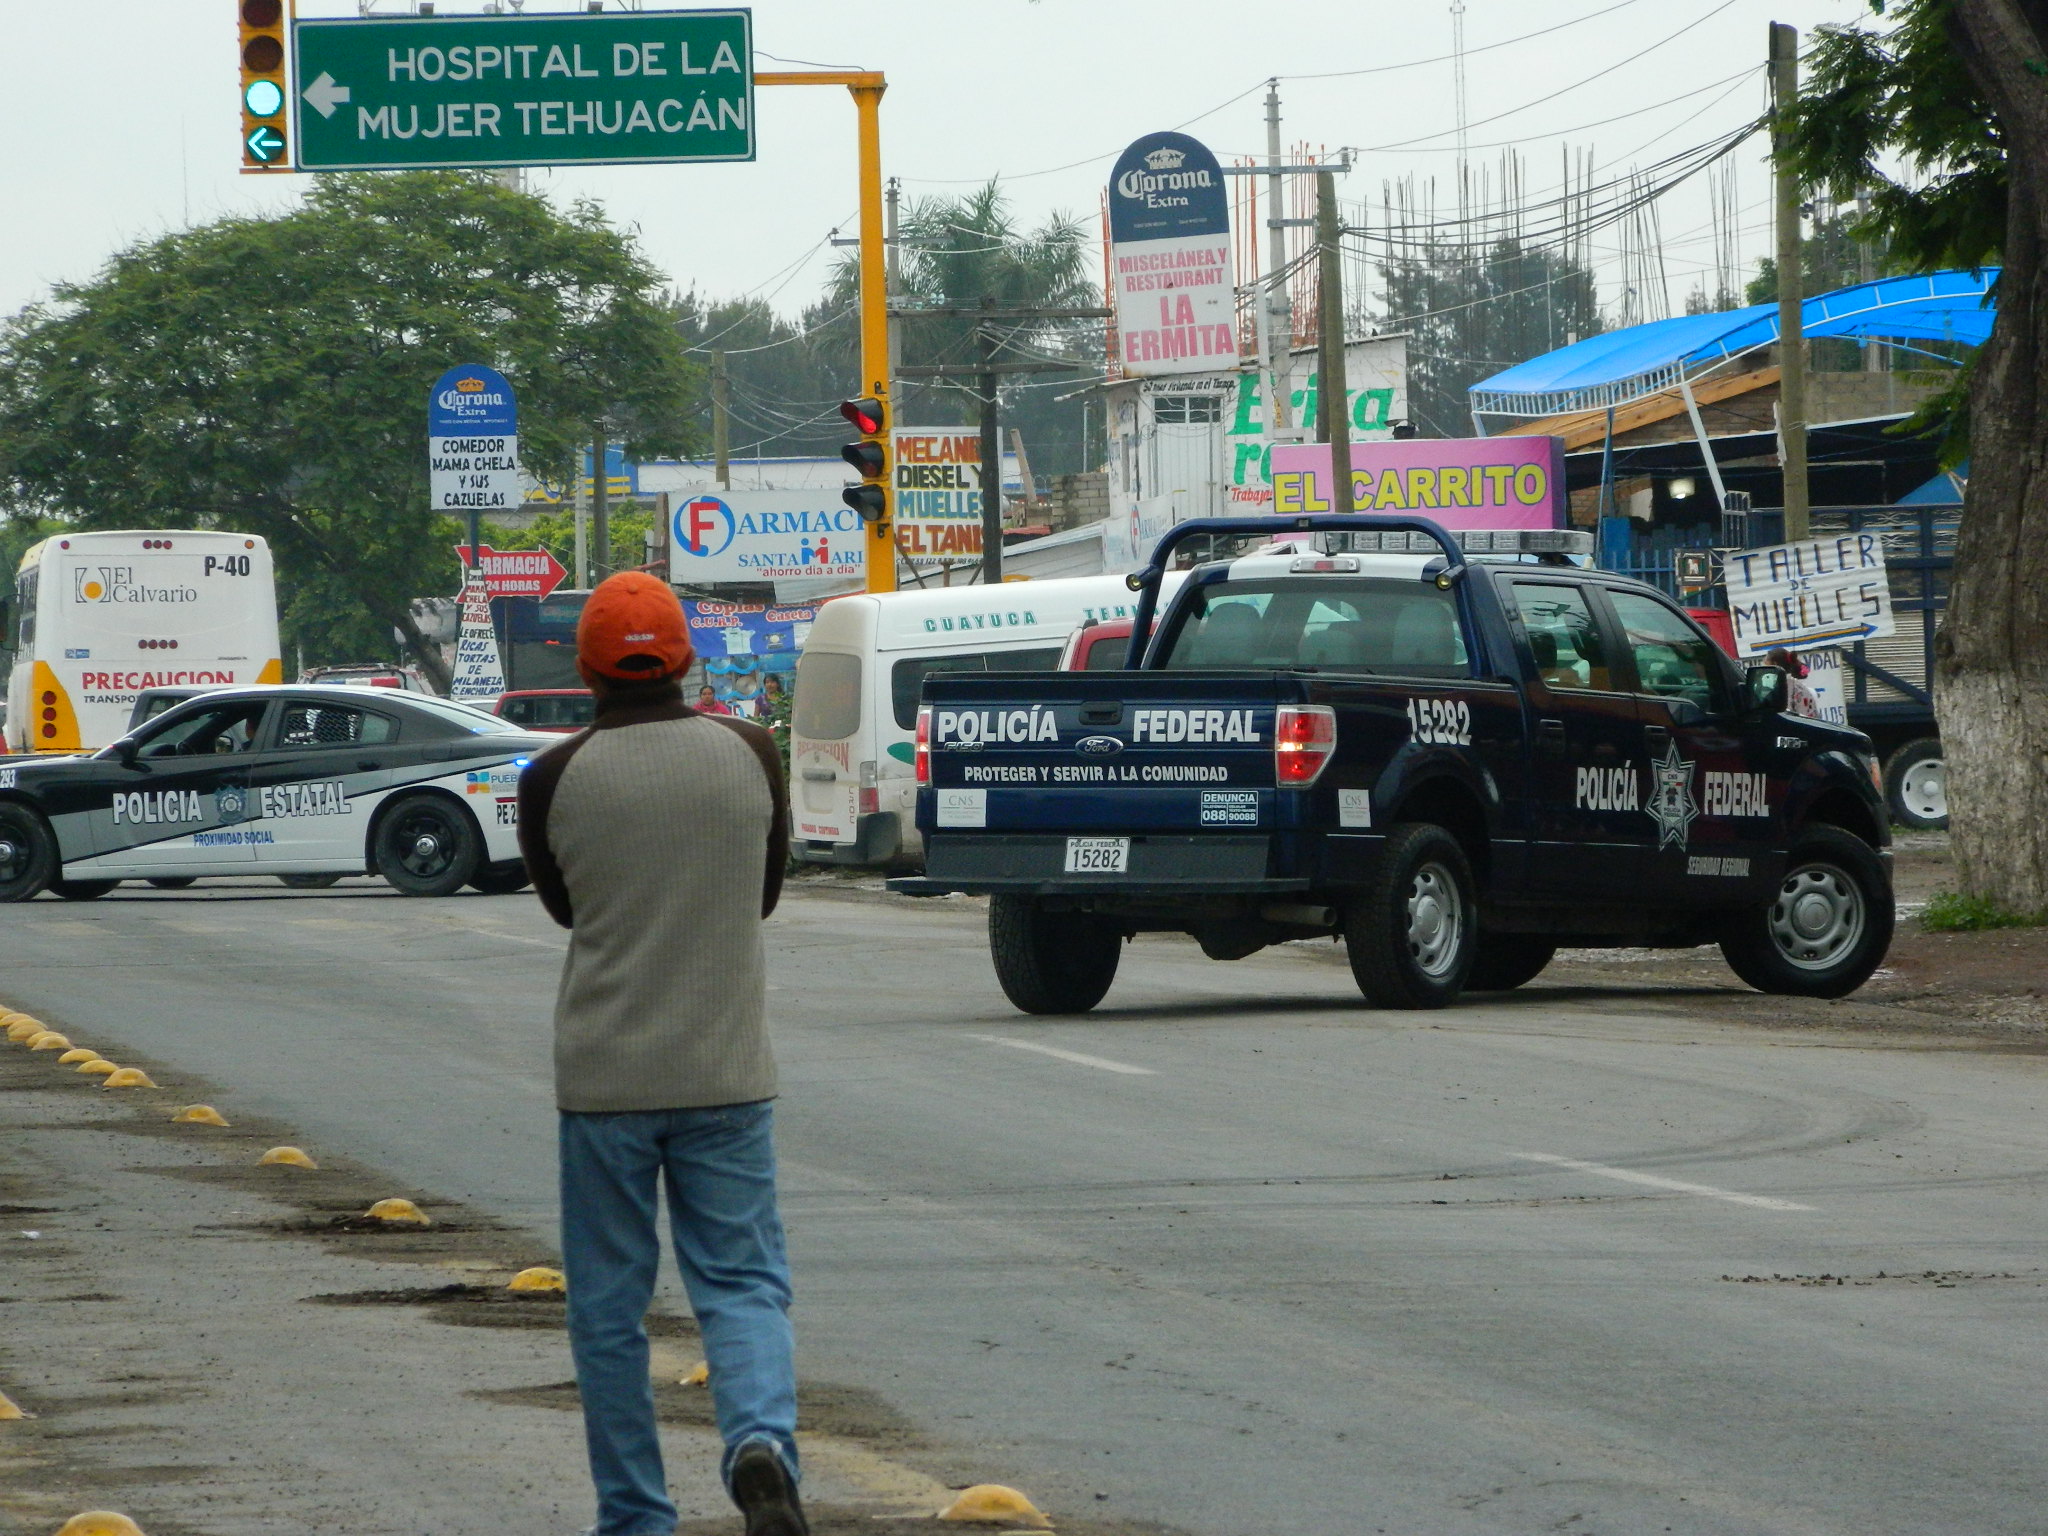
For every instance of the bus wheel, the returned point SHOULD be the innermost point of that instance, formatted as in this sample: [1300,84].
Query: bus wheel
[1410,936]
[82,890]
[428,846]
[1051,962]
[174,882]
[28,853]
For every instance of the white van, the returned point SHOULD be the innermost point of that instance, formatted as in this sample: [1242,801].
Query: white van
[852,791]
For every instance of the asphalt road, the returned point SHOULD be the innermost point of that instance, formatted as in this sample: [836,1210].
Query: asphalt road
[1233,1251]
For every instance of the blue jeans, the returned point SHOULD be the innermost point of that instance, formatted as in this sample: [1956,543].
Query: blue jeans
[719,1167]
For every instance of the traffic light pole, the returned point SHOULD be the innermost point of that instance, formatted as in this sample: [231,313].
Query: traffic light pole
[866,87]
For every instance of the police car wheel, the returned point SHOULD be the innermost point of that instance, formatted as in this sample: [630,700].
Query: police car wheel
[82,890]
[1049,961]
[427,846]
[501,879]
[1824,930]
[28,853]
[1411,935]
[1916,786]
[1506,961]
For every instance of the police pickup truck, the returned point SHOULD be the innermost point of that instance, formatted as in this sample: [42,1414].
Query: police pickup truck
[1457,764]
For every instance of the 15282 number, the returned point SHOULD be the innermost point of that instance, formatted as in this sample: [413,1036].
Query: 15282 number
[1441,722]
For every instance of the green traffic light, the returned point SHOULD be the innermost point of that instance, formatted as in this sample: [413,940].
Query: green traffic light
[263,98]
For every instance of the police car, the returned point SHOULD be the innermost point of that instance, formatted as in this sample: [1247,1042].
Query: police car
[306,783]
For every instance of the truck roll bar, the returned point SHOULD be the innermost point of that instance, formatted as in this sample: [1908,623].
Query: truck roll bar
[1145,580]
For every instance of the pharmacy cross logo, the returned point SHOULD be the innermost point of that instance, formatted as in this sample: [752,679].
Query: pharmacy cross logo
[1672,806]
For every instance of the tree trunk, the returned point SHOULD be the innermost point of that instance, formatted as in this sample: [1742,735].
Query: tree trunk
[1992,654]
[424,651]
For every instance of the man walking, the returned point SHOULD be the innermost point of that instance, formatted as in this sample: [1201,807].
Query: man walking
[658,837]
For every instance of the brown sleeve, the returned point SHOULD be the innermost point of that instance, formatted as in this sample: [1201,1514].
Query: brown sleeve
[537,783]
[778,826]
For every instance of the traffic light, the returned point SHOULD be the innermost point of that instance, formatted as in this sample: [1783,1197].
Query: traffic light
[263,85]
[870,457]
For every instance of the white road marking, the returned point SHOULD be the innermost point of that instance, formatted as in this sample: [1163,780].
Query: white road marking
[1677,1186]
[1100,1063]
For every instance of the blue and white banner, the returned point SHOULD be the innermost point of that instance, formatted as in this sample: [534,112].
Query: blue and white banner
[1169,257]
[764,536]
[473,441]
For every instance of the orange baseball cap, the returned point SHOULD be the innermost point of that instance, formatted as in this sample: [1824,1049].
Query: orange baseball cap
[633,629]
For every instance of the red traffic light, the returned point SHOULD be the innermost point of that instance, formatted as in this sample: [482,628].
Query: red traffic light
[866,415]
[870,501]
[867,458]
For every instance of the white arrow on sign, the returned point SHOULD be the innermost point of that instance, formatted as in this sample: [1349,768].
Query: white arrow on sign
[325,95]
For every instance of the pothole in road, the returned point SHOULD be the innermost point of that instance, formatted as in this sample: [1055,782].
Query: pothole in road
[487,1306]
[1940,1279]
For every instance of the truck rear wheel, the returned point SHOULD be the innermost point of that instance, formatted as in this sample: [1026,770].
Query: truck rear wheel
[1051,962]
[1411,935]
[1825,930]
[1916,786]
[1506,961]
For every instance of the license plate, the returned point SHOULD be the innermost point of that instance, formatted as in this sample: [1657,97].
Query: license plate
[1098,855]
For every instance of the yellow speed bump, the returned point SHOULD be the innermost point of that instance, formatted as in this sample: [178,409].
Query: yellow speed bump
[993,1504]
[199,1114]
[399,1211]
[49,1040]
[699,1375]
[538,1278]
[10,1410]
[129,1077]
[290,1157]
[76,1054]
[98,1068]
[99,1522]
[21,1026]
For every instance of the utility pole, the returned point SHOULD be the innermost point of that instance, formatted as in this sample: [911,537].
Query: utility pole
[1874,359]
[991,461]
[1279,313]
[1333,393]
[582,527]
[892,197]
[600,504]
[1791,321]
[721,422]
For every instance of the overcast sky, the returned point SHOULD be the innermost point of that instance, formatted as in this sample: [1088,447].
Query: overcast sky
[120,120]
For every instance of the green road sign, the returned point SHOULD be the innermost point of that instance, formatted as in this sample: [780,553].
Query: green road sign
[402,93]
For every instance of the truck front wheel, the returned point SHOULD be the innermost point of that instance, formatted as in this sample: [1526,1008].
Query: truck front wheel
[1411,935]
[1825,930]
[1916,786]
[1047,961]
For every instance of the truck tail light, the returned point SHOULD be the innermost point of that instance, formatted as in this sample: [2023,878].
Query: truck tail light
[923,760]
[1304,740]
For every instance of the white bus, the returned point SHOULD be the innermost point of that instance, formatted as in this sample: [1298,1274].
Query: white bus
[101,616]
[853,794]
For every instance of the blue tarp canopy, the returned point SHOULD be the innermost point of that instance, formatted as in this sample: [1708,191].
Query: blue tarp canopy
[1620,366]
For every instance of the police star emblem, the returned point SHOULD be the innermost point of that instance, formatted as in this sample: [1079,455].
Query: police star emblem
[1672,806]
[231,803]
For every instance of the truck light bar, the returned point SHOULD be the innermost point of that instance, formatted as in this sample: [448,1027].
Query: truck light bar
[1479,541]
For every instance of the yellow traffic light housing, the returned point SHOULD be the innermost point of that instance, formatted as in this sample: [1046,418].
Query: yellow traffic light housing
[264,143]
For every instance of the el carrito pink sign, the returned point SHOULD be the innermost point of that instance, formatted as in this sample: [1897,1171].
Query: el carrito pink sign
[1461,482]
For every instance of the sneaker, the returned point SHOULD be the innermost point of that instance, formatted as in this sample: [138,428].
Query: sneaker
[765,1492]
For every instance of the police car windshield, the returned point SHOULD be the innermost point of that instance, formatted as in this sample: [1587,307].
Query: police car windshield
[474,721]
[1371,625]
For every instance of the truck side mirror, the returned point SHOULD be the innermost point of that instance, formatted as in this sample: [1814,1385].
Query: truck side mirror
[1767,690]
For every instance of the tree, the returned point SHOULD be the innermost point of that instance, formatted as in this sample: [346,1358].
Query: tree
[785,378]
[964,250]
[1955,92]
[1474,310]
[270,375]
